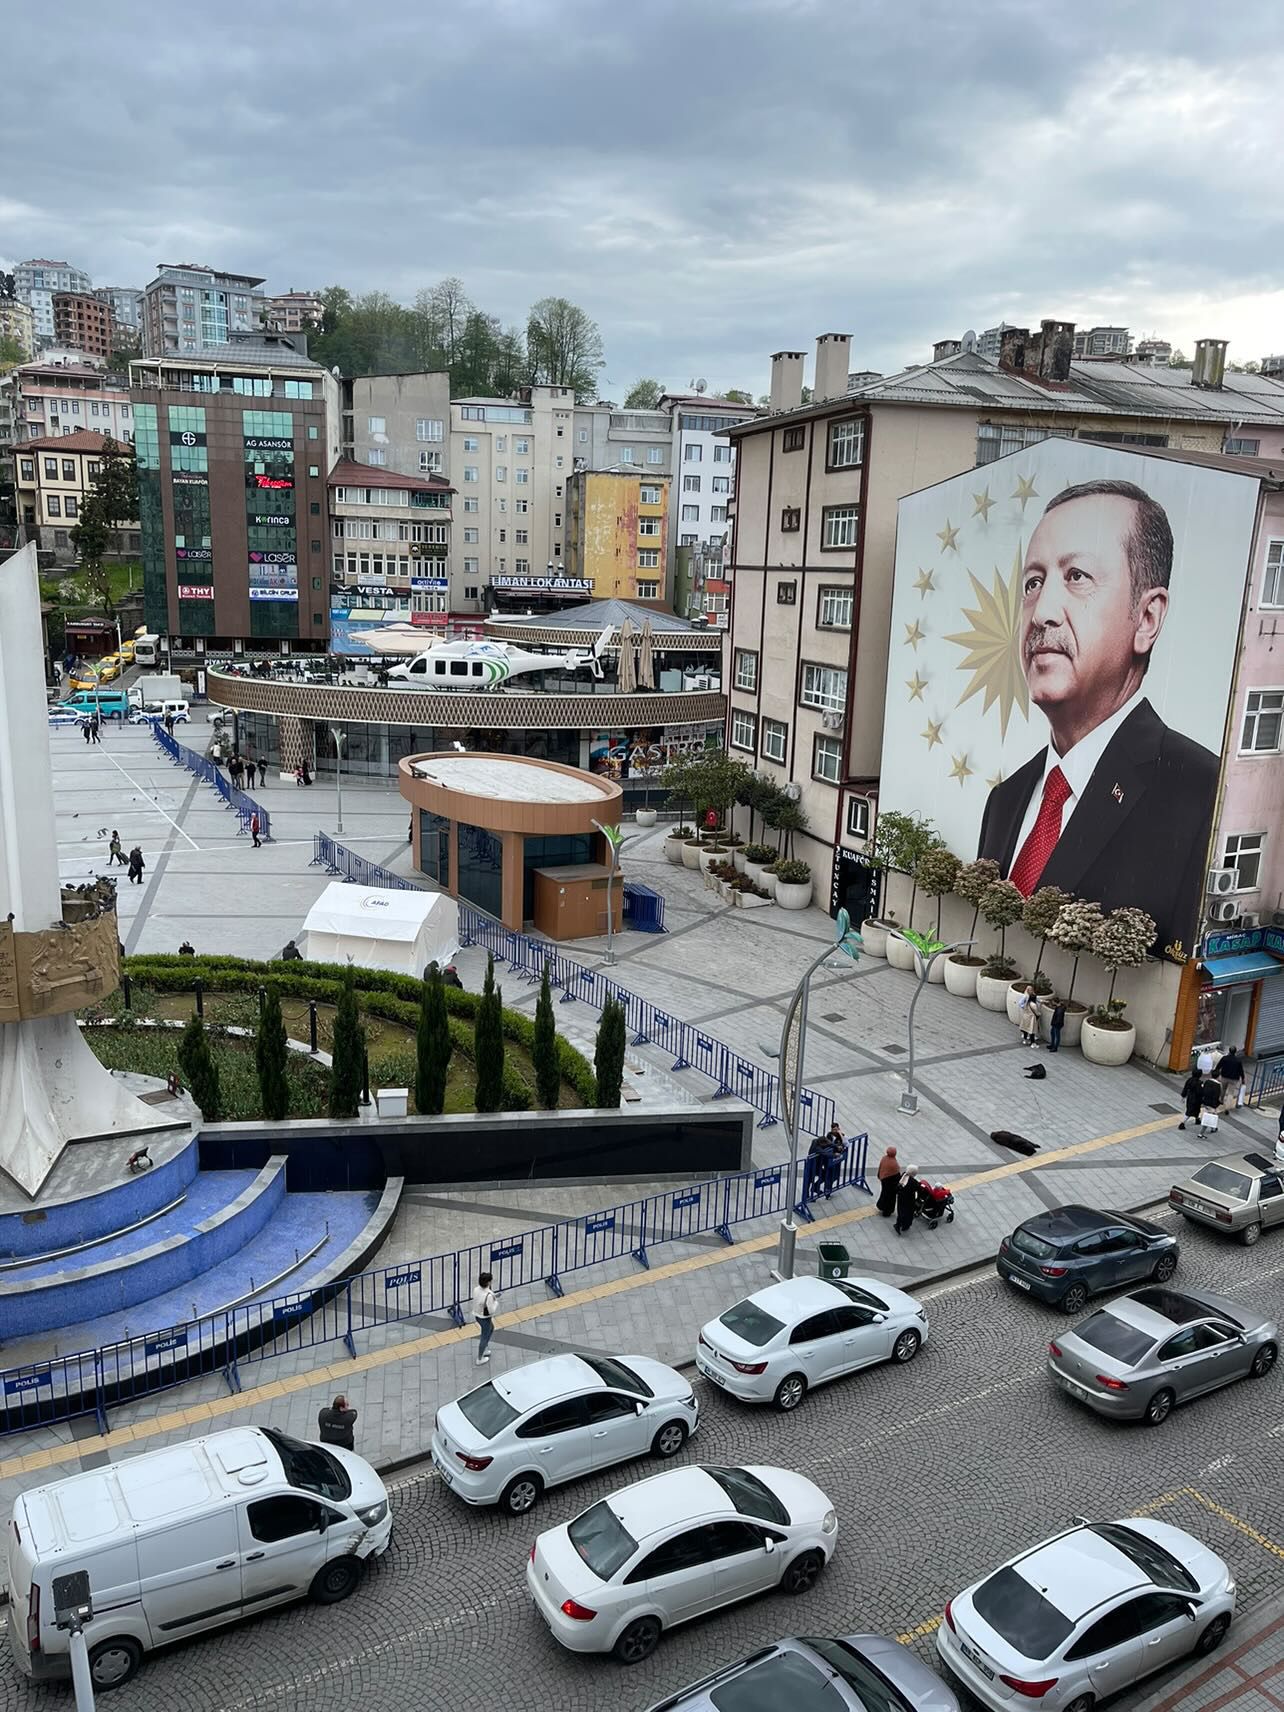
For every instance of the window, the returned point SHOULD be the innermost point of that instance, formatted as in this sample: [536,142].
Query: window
[69,506]
[1273,581]
[692,454]
[786,594]
[472,594]
[470,472]
[1244,853]
[563,1417]
[61,538]
[690,513]
[471,537]
[722,484]
[501,442]
[793,439]
[582,436]
[648,558]
[284,1517]
[376,425]
[298,389]
[846,444]
[858,817]
[688,540]
[522,477]
[520,505]
[834,611]
[428,428]
[610,1406]
[501,472]
[655,454]
[723,454]
[51,469]
[470,567]
[521,537]
[997,439]
[1244,448]
[775,736]
[838,526]
[502,505]
[377,455]
[1263,710]
[691,484]
[746,669]
[717,514]
[430,463]
[53,505]
[648,525]
[472,504]
[471,443]
[744,730]
[648,589]
[28,469]
[521,446]
[626,454]
[648,495]
[824,687]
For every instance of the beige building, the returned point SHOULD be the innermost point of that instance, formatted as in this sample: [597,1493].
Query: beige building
[390,535]
[293,312]
[17,323]
[399,422]
[52,477]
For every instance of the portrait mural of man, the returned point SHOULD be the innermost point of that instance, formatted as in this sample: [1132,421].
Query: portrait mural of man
[1093,598]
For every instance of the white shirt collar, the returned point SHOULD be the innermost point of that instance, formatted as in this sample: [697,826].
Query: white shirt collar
[1078,764]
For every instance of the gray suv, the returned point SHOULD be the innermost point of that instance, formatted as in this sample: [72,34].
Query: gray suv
[1070,1253]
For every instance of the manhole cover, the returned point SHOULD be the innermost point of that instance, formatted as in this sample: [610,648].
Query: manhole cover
[833,1016]
[1164,1107]
[893,1049]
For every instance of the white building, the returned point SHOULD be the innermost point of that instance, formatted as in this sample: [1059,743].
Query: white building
[126,304]
[188,309]
[47,398]
[35,282]
[703,466]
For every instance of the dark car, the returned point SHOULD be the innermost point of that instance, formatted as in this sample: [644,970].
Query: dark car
[1070,1253]
[859,1673]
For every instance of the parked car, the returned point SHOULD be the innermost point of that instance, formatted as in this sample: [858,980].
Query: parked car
[83,677]
[859,1673]
[107,704]
[1241,1194]
[1085,1614]
[127,651]
[780,1342]
[1070,1253]
[150,712]
[671,1548]
[556,1420]
[109,668]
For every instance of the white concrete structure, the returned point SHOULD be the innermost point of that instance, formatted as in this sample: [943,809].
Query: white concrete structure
[507,778]
[35,282]
[704,468]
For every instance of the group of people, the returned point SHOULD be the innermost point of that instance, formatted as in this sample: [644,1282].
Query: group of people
[897,1191]
[1214,1086]
[134,862]
[92,729]
[1030,1013]
[303,774]
[823,1164]
[241,771]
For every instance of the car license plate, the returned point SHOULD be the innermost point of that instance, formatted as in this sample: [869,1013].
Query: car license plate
[1197,1206]
[976,1659]
[1021,1283]
[710,1372]
[441,1468]
[1073,1386]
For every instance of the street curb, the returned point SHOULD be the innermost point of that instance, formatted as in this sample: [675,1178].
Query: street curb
[1267,1615]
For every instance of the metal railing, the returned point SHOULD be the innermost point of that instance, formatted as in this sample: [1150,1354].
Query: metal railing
[245,807]
[92,1381]
[337,859]
[1267,1082]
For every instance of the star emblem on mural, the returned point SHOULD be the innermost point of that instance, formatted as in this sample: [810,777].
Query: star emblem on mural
[960,770]
[982,505]
[923,582]
[948,537]
[932,736]
[916,686]
[992,645]
[994,783]
[914,634]
[1025,490]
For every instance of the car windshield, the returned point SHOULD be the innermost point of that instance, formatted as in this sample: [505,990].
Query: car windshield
[1115,1338]
[865,1298]
[1035,1246]
[1020,1613]
[748,1321]
[310,1467]
[614,1373]
[749,1495]
[876,1693]
[784,1679]
[1151,1559]
[601,1540]
[486,1410]
[1232,1184]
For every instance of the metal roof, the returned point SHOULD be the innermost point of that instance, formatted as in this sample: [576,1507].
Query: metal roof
[598,614]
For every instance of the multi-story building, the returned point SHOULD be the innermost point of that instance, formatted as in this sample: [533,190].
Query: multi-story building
[986,344]
[1102,342]
[390,536]
[63,398]
[234,450]
[126,305]
[607,439]
[1273,366]
[52,477]
[398,422]
[704,471]
[293,312]
[1153,351]
[35,282]
[188,309]
[617,534]
[18,324]
[83,322]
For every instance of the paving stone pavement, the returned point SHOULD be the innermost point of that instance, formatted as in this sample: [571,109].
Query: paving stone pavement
[1247,1675]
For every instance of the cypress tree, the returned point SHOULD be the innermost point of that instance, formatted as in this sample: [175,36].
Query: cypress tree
[196,1061]
[488,1045]
[347,1053]
[608,1056]
[433,1045]
[548,1069]
[270,1058]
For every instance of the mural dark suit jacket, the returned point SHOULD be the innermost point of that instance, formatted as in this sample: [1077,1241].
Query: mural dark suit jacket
[1138,834]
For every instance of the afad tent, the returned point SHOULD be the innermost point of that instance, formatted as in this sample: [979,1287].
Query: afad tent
[401,931]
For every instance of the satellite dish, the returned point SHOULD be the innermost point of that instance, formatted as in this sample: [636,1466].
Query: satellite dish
[702,386]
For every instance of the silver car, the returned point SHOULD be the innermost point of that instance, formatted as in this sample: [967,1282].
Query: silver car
[1240,1195]
[1141,1354]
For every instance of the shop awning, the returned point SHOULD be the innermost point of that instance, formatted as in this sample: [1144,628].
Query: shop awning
[1234,971]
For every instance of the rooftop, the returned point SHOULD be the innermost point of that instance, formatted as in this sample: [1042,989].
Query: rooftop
[196,267]
[510,778]
[83,440]
[251,350]
[599,614]
[349,473]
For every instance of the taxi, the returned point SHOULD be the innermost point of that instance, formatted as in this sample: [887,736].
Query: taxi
[127,651]
[83,678]
[109,667]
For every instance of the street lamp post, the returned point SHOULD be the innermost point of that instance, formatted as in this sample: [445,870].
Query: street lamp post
[340,737]
[908,1106]
[613,839]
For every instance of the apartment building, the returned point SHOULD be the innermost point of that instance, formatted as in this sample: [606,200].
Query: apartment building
[82,322]
[703,466]
[1102,342]
[608,439]
[18,324]
[235,447]
[293,312]
[64,398]
[1153,351]
[52,477]
[390,536]
[617,534]
[399,422]
[189,308]
[126,305]
[35,282]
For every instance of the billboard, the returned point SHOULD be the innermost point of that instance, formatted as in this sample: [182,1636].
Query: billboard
[1064,631]
[645,753]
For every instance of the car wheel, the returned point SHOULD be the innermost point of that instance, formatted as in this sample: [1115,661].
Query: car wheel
[803,1573]
[1159,1408]
[1165,1266]
[638,1641]
[1249,1235]
[670,1439]
[112,1663]
[1084,1703]
[521,1494]
[1213,1635]
[1263,1361]
[336,1581]
[906,1346]
[790,1392]
[1075,1299]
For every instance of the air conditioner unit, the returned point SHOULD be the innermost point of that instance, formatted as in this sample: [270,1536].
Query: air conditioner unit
[1277,918]
[1221,881]
[1222,910]
[832,721]
[1250,919]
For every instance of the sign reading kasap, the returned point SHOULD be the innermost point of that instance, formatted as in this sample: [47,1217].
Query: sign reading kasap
[1064,627]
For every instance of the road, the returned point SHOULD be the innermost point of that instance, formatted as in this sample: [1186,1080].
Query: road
[938,1471]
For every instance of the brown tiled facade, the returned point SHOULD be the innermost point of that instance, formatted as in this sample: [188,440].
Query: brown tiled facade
[82,323]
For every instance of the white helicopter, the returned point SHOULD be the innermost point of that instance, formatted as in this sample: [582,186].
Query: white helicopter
[484,665]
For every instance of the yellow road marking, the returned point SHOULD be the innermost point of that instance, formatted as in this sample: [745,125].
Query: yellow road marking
[199,1413]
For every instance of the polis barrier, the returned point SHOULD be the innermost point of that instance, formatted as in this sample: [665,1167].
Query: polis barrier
[92,1381]
[1267,1081]
[337,859]
[245,807]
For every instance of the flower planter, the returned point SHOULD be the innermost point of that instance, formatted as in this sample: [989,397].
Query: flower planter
[749,900]
[1072,1030]
[708,854]
[766,879]
[755,872]
[992,992]
[935,973]
[793,895]
[673,848]
[738,857]
[1107,1045]
[691,854]
[873,937]
[645,817]
[960,976]
[900,953]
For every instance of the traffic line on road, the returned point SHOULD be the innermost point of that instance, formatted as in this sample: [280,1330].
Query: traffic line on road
[1228,1516]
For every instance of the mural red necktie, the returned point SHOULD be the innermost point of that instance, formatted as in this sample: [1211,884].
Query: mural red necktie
[1033,858]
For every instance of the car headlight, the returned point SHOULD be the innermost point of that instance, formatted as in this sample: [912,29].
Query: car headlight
[373,1514]
[829,1525]
[1230,1584]
[689,1403]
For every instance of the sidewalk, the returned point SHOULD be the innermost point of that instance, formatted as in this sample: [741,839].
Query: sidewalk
[1245,1675]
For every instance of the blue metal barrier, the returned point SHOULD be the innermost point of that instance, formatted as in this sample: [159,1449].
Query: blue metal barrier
[337,859]
[643,908]
[245,806]
[1267,1082]
[92,1381]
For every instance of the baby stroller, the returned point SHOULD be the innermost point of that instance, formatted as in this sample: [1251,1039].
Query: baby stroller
[932,1203]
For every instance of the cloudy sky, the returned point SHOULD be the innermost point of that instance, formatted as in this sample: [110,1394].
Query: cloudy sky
[712,179]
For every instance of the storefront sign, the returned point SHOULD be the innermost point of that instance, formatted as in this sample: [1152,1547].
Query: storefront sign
[268,444]
[544,585]
[274,594]
[196,591]
[282,482]
[429,582]
[645,753]
[266,520]
[193,553]
[1236,944]
[183,478]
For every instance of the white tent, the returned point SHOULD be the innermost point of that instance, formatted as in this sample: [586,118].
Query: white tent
[402,931]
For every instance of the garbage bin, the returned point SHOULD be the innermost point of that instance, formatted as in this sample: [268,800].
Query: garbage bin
[834,1260]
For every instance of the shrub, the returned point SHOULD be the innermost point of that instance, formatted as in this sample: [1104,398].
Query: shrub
[348,1053]
[199,1070]
[1001,904]
[971,883]
[608,1058]
[999,968]
[1074,930]
[759,854]
[1121,941]
[937,870]
[488,1045]
[433,1046]
[548,1070]
[270,1055]
[1041,910]
[793,873]
[785,817]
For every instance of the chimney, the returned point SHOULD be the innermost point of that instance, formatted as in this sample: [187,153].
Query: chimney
[833,353]
[1012,344]
[1210,364]
[786,379]
[946,348]
[1056,348]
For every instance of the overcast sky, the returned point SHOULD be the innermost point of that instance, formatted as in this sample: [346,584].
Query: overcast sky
[712,179]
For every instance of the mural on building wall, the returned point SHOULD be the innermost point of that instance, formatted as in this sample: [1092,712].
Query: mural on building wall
[1064,627]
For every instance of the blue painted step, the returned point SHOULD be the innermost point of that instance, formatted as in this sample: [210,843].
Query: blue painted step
[82,1218]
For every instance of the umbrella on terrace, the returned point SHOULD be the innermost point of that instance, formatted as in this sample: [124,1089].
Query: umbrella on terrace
[627,674]
[646,667]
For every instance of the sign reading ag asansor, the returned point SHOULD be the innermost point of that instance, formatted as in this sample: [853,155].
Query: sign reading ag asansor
[271,443]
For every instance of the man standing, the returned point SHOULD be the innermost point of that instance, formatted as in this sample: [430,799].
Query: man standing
[95,729]
[1230,1073]
[485,1307]
[1118,806]
[335,1423]
[89,736]
[814,1168]
[262,772]
[136,866]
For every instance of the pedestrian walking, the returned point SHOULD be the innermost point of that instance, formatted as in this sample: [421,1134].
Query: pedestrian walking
[114,850]
[234,770]
[262,772]
[136,866]
[834,1161]
[1193,1093]
[1230,1073]
[88,733]
[187,949]
[95,729]
[1028,1018]
[485,1307]
[1204,1063]
[298,775]
[254,831]
[335,1423]
[307,773]
[1210,1099]
[1056,1022]
[906,1191]
[169,724]
[290,951]
[889,1175]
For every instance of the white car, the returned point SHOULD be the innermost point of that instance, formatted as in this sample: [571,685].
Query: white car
[780,1342]
[1073,1621]
[556,1420]
[671,1548]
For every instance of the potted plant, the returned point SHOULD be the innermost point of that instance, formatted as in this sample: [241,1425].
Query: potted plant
[691,848]
[1073,931]
[785,817]
[1001,904]
[962,967]
[938,868]
[708,853]
[992,982]
[645,816]
[1041,910]
[1121,941]
[793,885]
[757,859]
[674,842]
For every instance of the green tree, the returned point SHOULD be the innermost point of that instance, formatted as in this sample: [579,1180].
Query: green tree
[564,345]
[784,817]
[11,353]
[111,502]
[937,870]
[713,779]
[737,395]
[488,1044]
[270,1056]
[347,1052]
[644,394]
[608,1054]
[125,350]
[433,1046]
[196,1061]
[548,1069]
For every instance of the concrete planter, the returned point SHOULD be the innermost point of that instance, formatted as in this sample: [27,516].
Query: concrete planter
[992,992]
[874,937]
[645,817]
[766,879]
[1072,1032]
[756,871]
[748,900]
[960,977]
[738,857]
[1016,992]
[900,953]
[708,854]
[935,973]
[1107,1045]
[673,848]
[793,895]
[691,854]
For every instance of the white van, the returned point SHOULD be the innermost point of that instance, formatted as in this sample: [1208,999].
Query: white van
[189,1538]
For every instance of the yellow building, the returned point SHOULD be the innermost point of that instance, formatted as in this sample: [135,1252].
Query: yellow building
[618,533]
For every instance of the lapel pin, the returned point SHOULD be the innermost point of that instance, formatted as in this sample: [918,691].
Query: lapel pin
[1117,794]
